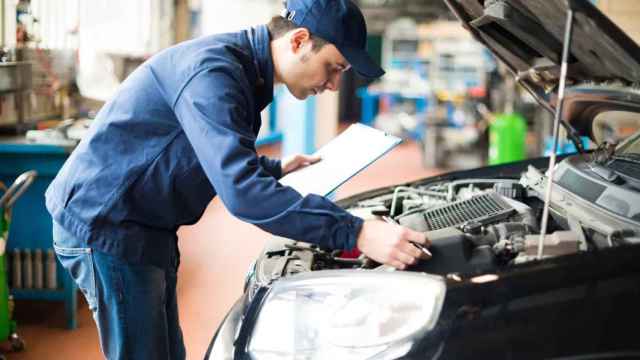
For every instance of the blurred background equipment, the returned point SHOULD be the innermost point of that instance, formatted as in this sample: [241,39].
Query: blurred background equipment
[436,73]
[507,135]
[8,328]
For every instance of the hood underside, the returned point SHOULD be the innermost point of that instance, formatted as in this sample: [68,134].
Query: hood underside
[527,36]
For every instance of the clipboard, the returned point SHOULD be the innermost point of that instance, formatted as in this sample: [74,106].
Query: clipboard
[342,158]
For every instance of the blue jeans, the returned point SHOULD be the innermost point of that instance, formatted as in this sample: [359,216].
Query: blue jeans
[134,306]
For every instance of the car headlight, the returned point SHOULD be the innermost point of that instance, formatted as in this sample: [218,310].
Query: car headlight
[346,314]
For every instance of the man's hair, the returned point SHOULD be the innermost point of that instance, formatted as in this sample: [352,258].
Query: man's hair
[278,26]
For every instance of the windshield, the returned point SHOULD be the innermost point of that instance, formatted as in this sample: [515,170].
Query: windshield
[631,146]
[618,127]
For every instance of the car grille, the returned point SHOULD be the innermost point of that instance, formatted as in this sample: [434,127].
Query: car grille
[626,168]
[481,209]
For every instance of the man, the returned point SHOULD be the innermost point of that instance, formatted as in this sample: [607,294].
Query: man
[182,129]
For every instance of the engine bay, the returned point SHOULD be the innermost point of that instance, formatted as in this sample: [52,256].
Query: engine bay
[480,225]
[475,225]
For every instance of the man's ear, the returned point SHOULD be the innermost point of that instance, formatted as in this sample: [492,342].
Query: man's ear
[298,39]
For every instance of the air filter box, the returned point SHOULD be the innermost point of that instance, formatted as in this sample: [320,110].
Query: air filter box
[453,252]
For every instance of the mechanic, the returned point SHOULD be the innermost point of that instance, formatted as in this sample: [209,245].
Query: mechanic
[180,130]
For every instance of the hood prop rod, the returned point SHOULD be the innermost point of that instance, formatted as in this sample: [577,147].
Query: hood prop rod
[575,138]
[566,46]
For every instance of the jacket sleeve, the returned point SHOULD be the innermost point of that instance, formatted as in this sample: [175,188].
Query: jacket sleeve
[212,110]
[272,166]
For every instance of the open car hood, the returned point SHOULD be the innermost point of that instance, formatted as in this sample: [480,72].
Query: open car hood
[527,35]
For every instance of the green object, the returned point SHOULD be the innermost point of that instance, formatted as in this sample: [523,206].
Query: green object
[7,326]
[7,200]
[507,135]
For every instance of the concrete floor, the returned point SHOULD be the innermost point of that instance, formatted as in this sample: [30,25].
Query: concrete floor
[216,252]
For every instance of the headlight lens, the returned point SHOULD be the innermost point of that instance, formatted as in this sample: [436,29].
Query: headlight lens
[346,314]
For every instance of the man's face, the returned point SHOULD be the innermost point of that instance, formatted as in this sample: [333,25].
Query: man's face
[312,72]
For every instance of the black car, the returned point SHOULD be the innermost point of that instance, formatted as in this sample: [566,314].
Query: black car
[495,288]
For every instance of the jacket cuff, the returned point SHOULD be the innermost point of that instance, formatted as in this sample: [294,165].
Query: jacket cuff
[347,234]
[272,166]
[276,168]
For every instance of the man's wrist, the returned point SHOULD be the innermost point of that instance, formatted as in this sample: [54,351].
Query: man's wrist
[277,169]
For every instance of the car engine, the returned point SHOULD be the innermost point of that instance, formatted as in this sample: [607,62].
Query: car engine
[481,225]
[475,225]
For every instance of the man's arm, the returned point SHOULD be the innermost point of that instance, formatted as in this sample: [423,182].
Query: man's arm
[212,111]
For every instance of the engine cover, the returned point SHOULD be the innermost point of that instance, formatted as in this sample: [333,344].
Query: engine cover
[454,252]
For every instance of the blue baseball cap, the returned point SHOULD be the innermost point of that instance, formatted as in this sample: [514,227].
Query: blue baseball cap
[339,22]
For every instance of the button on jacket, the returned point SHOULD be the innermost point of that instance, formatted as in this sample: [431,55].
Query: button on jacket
[180,130]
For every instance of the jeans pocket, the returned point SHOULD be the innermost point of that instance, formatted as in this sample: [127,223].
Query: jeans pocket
[79,264]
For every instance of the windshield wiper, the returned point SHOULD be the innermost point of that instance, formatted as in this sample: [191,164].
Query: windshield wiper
[627,156]
[632,157]
[604,172]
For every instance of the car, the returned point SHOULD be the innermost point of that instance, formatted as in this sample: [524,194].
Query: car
[503,283]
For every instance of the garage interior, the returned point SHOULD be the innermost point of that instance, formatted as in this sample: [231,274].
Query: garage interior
[440,90]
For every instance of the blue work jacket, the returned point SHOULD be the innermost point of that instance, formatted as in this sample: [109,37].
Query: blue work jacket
[180,130]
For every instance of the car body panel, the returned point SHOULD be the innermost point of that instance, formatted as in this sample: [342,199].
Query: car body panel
[571,305]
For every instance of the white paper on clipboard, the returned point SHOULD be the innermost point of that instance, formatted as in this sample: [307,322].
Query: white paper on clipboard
[342,158]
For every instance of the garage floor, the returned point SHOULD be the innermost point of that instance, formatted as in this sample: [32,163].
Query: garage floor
[216,252]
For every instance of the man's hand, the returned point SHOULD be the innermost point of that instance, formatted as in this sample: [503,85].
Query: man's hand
[296,162]
[390,244]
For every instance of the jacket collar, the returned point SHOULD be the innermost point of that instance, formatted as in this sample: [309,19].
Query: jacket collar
[261,49]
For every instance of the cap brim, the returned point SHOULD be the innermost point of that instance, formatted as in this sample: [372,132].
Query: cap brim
[362,63]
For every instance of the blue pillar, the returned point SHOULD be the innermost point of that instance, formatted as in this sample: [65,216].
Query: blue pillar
[274,135]
[298,119]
